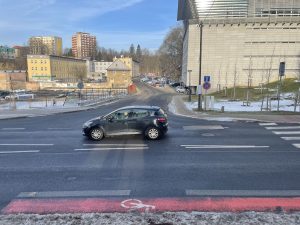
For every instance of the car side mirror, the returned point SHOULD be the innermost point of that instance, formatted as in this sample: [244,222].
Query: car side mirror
[110,118]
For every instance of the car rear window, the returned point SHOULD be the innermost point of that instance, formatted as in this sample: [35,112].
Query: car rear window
[160,112]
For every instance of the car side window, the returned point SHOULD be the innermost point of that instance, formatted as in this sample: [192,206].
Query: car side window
[121,115]
[140,113]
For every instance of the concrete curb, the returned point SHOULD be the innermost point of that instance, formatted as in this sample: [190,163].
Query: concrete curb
[175,105]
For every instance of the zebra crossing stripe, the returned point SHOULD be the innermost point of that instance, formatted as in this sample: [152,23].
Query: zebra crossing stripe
[291,138]
[283,128]
[286,132]
[268,124]
[297,145]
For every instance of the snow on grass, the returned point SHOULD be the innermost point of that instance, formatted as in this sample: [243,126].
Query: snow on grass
[240,106]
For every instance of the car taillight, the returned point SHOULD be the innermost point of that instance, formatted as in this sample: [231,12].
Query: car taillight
[162,119]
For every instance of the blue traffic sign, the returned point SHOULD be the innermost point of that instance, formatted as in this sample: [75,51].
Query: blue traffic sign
[206,79]
[206,85]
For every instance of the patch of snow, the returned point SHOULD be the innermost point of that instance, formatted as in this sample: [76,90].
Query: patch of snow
[172,107]
[237,106]
[220,119]
[170,218]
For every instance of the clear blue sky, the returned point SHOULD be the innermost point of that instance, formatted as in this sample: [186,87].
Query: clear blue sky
[116,23]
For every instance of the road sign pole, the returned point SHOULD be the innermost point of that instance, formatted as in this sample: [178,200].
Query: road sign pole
[200,65]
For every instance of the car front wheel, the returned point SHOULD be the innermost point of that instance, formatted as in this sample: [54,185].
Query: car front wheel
[96,134]
[152,133]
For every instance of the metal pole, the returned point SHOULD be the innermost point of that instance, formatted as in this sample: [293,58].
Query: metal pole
[200,67]
[190,92]
[278,95]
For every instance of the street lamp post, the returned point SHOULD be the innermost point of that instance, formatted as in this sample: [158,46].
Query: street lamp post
[190,92]
[200,67]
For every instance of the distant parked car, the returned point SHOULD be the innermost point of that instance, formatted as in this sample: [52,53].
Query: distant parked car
[180,89]
[174,85]
[3,94]
[20,95]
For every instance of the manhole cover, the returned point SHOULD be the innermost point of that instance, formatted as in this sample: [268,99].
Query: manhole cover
[208,135]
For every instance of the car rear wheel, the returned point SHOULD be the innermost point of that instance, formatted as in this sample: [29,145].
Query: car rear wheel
[96,134]
[152,133]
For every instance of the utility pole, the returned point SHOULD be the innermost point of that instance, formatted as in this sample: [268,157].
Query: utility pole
[200,67]
[281,74]
[190,92]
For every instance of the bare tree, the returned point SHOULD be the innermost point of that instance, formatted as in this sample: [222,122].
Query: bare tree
[249,83]
[235,77]
[171,51]
[268,77]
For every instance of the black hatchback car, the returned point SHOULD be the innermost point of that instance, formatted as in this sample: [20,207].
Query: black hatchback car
[150,121]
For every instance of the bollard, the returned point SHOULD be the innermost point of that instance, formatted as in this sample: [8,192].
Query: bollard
[222,109]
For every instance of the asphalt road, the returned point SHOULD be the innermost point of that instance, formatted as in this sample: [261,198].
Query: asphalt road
[49,155]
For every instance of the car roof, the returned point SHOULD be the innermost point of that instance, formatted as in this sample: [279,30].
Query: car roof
[140,107]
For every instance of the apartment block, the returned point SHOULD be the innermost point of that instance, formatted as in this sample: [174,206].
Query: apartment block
[7,52]
[84,45]
[55,68]
[41,45]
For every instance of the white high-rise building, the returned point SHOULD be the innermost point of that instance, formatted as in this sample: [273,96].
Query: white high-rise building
[243,41]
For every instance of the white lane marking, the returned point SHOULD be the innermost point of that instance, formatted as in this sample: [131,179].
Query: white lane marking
[283,128]
[26,144]
[232,151]
[286,132]
[12,128]
[221,146]
[268,124]
[16,152]
[59,128]
[108,149]
[100,145]
[297,145]
[291,138]
[212,127]
[58,194]
[236,193]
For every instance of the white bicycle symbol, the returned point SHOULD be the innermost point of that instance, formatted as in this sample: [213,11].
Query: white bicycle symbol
[135,204]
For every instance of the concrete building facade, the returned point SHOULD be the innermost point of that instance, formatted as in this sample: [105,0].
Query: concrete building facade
[97,70]
[43,45]
[12,80]
[55,68]
[84,45]
[133,65]
[21,51]
[240,47]
[119,75]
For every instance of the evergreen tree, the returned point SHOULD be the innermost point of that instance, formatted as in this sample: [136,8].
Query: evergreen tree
[138,53]
[132,51]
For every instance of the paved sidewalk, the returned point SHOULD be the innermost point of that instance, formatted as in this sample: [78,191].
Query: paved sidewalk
[178,107]
[35,112]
